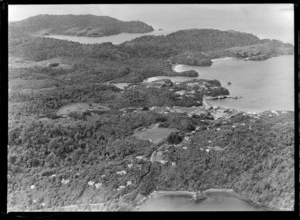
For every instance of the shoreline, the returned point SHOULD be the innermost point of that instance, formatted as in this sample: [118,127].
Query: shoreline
[247,111]
[203,196]
[222,58]
[105,38]
[175,66]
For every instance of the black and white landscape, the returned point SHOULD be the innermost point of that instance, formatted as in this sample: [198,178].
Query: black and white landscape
[151,108]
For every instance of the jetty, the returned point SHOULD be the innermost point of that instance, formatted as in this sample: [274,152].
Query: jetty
[221,97]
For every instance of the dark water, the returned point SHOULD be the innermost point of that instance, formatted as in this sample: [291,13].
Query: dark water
[263,85]
[214,202]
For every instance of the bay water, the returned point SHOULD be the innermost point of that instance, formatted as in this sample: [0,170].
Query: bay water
[114,39]
[262,85]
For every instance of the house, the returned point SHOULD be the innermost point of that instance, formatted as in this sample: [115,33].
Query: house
[65,181]
[121,172]
[121,187]
[139,157]
[98,185]
[91,183]
[129,183]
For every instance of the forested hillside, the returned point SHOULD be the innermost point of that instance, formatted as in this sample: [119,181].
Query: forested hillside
[194,39]
[191,47]
[80,25]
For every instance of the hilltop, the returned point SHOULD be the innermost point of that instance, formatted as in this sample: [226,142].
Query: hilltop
[199,46]
[80,25]
[200,39]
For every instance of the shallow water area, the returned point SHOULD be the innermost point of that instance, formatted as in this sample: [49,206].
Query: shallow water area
[263,85]
[217,201]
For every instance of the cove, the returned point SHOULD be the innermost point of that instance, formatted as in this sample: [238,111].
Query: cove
[114,39]
[263,85]
[214,201]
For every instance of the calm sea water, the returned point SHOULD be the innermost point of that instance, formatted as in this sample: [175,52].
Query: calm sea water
[263,85]
[215,202]
[114,39]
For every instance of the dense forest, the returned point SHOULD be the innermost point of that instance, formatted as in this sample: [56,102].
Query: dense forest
[181,47]
[87,157]
[186,40]
[258,163]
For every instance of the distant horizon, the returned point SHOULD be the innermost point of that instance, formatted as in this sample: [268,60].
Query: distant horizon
[266,21]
